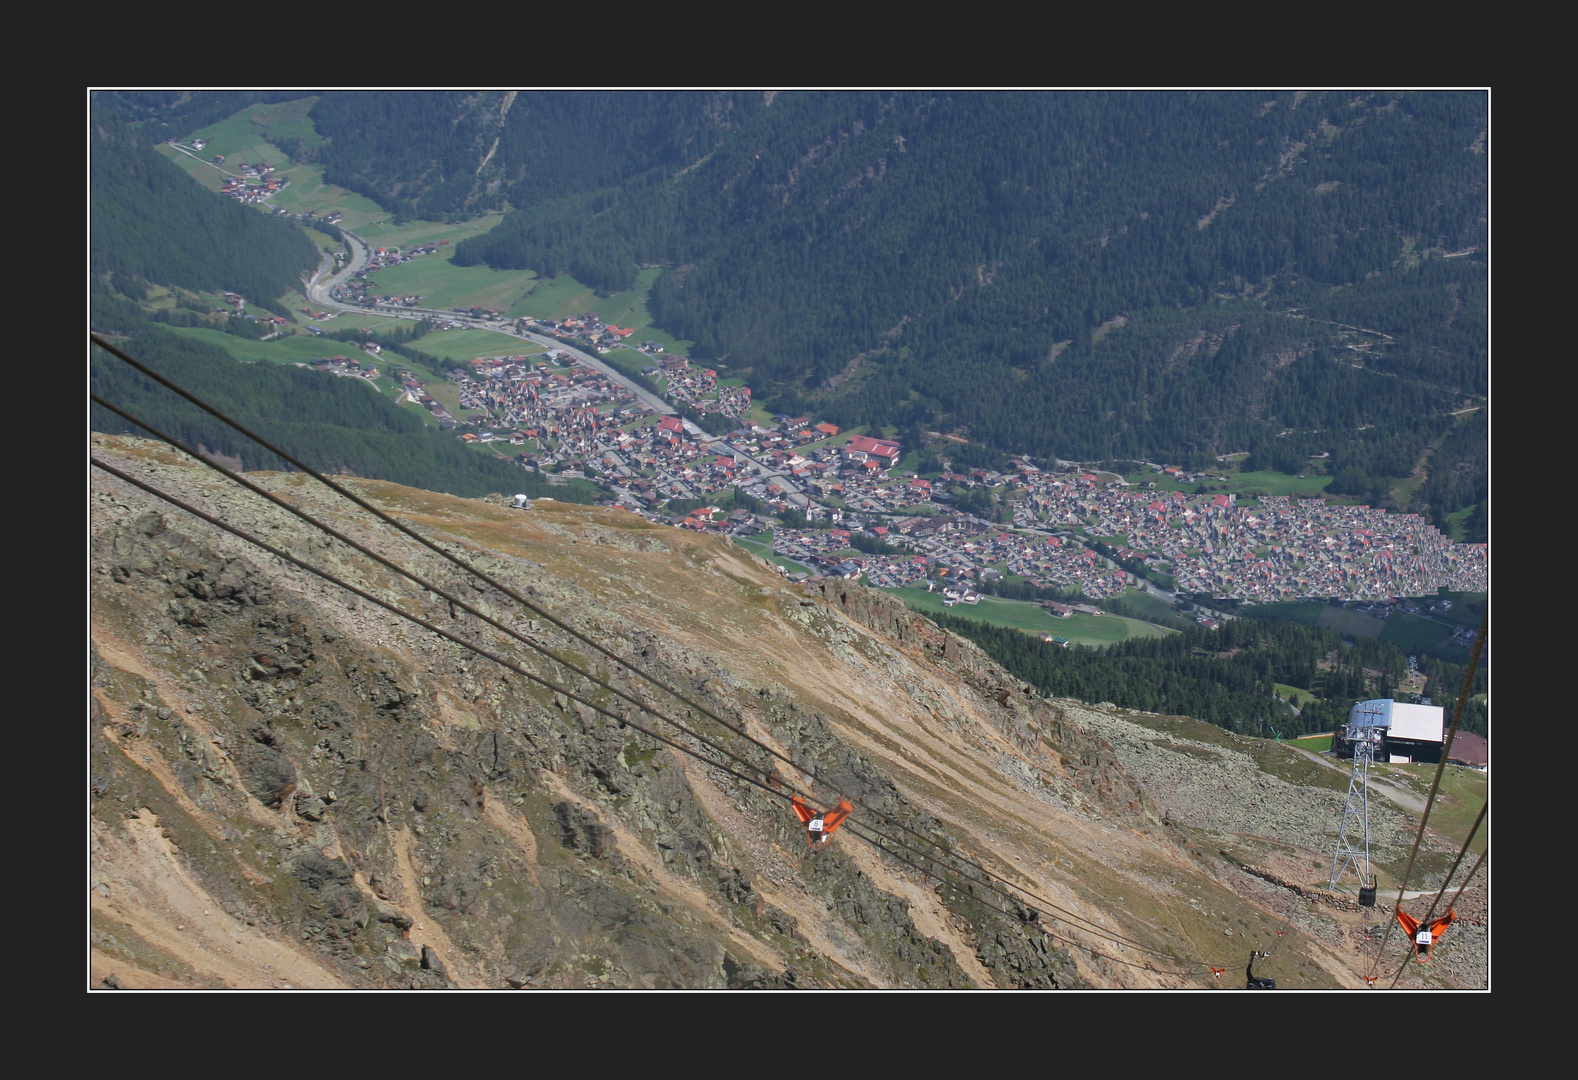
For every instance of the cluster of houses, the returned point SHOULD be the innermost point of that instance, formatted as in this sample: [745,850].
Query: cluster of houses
[955,551]
[345,367]
[573,410]
[652,462]
[587,326]
[584,423]
[1278,549]
[587,424]
[254,185]
[697,387]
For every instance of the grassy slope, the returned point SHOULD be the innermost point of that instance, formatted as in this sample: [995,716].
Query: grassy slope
[1463,792]
[1157,611]
[1317,743]
[1414,634]
[1033,619]
[1456,523]
[1243,483]
[246,136]
[1348,621]
[1294,694]
[766,552]
[563,297]
[439,282]
[1306,612]
[473,344]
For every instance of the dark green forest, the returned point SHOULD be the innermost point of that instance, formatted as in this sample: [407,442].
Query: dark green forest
[1149,275]
[1225,676]
[420,153]
[1162,276]
[150,222]
[335,425]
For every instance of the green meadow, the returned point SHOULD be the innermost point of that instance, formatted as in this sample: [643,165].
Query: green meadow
[1348,621]
[1411,633]
[1292,693]
[473,344]
[1307,612]
[1033,619]
[563,297]
[1158,611]
[441,284]
[1317,743]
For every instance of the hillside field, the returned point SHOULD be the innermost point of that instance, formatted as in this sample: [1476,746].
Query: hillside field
[1032,618]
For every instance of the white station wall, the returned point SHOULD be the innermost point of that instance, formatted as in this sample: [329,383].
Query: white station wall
[1422,722]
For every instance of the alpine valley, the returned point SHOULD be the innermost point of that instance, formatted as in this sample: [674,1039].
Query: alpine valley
[870,325]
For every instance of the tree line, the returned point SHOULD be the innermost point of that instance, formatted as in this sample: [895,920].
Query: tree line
[335,425]
[1226,676]
[150,222]
[979,253]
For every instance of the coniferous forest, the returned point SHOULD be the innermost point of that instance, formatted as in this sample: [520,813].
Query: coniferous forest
[335,425]
[1166,276]
[1091,275]
[1225,676]
[150,222]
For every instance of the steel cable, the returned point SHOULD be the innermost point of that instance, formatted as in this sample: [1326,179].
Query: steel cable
[539,610]
[571,695]
[1435,785]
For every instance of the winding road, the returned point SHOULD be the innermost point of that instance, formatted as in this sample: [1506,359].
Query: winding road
[320,290]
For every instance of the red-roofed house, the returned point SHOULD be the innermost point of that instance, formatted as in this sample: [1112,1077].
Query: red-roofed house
[877,448]
[1470,749]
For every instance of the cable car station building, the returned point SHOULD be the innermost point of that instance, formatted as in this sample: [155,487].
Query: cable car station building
[1408,732]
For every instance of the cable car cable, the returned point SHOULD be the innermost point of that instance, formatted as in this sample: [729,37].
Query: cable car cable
[629,665]
[488,654]
[1442,891]
[1435,785]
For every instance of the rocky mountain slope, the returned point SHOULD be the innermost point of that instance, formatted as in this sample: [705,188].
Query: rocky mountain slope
[290,787]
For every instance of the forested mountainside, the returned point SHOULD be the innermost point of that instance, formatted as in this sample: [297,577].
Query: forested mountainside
[335,425]
[437,153]
[1089,275]
[149,222]
[1092,275]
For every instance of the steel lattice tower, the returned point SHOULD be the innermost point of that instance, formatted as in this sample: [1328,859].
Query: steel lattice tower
[1356,810]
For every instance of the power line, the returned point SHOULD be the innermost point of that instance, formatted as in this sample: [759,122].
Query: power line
[1435,785]
[402,571]
[548,684]
[1434,904]
[538,609]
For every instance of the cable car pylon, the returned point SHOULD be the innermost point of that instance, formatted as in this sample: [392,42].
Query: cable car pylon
[1364,733]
